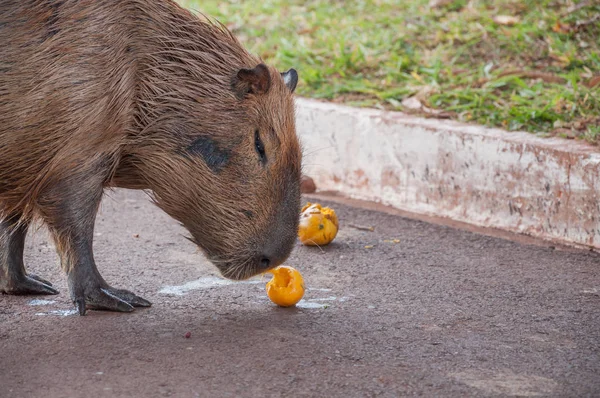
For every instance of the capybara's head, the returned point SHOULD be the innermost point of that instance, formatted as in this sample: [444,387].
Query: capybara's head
[218,150]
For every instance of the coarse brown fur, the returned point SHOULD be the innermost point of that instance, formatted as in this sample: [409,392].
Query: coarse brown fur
[107,93]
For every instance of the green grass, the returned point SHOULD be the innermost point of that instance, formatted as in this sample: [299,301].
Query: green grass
[454,58]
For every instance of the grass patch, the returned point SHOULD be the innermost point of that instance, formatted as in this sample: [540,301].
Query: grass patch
[457,59]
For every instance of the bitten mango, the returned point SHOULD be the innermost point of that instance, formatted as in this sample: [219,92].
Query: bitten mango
[286,287]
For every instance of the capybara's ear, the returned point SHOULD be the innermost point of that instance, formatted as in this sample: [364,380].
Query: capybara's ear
[290,78]
[252,81]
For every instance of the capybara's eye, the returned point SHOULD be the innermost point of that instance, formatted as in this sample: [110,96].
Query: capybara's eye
[260,147]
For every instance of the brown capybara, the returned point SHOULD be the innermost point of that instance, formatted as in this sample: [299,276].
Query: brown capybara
[140,94]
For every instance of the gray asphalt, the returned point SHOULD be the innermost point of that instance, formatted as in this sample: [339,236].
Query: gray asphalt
[411,309]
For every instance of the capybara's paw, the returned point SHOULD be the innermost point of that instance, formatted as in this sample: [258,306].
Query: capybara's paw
[27,285]
[108,299]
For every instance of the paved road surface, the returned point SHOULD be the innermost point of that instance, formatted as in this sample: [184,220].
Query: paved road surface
[440,312]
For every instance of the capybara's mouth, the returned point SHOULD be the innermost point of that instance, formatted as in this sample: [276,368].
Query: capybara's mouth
[239,273]
[239,268]
[234,269]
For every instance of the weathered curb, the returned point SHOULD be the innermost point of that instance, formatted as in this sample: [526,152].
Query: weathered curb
[543,187]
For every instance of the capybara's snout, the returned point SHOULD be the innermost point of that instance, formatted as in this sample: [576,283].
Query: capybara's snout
[273,245]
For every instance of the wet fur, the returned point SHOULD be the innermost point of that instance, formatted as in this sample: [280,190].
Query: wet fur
[117,93]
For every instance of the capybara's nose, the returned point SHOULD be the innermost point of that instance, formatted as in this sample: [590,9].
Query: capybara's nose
[265,262]
[273,254]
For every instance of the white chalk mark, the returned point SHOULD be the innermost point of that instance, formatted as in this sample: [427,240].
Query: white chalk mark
[41,302]
[206,282]
[58,312]
[311,305]
[330,298]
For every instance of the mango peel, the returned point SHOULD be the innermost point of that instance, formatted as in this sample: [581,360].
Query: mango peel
[286,288]
[318,225]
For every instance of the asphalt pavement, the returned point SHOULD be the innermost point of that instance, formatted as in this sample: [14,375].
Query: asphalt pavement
[409,309]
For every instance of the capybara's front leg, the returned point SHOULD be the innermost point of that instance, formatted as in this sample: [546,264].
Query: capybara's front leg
[69,209]
[13,277]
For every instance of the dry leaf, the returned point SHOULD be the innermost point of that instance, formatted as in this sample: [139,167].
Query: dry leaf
[576,7]
[508,20]
[362,228]
[424,93]
[416,76]
[439,3]
[438,113]
[562,28]
[310,30]
[411,103]
[547,77]
[592,20]
[593,82]
[559,60]
[565,133]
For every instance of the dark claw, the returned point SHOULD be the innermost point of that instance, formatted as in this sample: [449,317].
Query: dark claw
[47,289]
[141,302]
[109,299]
[37,278]
[80,304]
[131,298]
[122,306]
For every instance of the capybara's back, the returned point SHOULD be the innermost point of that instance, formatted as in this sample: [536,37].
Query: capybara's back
[67,91]
[140,94]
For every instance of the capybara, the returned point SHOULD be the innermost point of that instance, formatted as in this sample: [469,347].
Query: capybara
[140,94]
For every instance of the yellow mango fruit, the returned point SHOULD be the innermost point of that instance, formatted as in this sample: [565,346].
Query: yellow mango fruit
[286,287]
[318,225]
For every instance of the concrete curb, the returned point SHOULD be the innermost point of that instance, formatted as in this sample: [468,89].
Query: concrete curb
[544,187]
